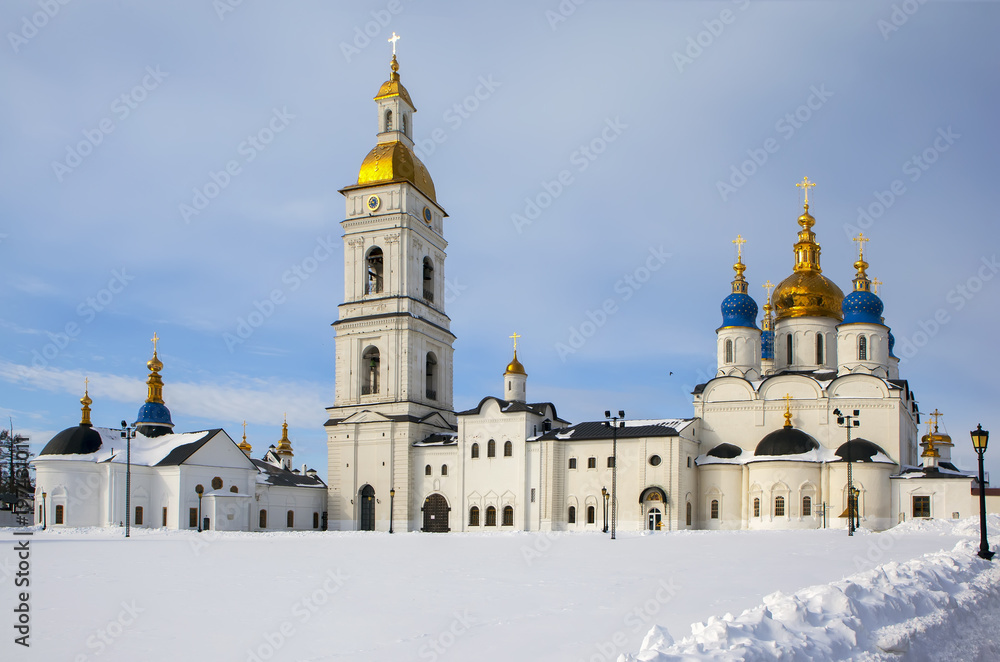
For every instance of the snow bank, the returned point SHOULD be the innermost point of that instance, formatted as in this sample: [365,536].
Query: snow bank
[882,612]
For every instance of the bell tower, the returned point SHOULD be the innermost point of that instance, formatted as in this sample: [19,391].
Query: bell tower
[393,340]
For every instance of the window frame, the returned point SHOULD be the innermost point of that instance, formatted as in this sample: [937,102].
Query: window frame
[491,516]
[474,516]
[779,506]
[713,509]
[508,515]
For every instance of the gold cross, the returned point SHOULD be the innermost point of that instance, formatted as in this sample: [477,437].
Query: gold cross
[155,338]
[806,184]
[875,284]
[393,39]
[739,241]
[86,385]
[244,429]
[936,415]
[861,239]
[768,286]
[787,399]
[515,337]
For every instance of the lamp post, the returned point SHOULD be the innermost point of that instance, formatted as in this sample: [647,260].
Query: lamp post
[849,421]
[200,490]
[128,434]
[44,509]
[604,493]
[614,422]
[980,438]
[392,504]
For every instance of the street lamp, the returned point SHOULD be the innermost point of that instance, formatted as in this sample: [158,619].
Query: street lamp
[980,438]
[44,509]
[849,421]
[614,422]
[128,434]
[604,493]
[392,503]
[200,489]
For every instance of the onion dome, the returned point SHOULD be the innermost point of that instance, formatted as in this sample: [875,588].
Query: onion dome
[395,162]
[245,445]
[807,292]
[862,450]
[935,438]
[392,87]
[862,306]
[739,308]
[725,451]
[515,367]
[154,417]
[284,444]
[80,440]
[787,440]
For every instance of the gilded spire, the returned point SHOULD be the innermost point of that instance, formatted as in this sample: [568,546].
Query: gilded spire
[284,444]
[788,410]
[861,281]
[394,65]
[244,445]
[806,249]
[515,367]
[768,322]
[739,282]
[86,402]
[154,382]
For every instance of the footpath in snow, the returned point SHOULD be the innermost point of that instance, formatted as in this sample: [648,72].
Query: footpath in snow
[942,606]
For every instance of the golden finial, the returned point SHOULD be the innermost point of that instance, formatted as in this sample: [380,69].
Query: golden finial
[515,337]
[861,239]
[769,286]
[935,415]
[739,241]
[244,445]
[788,410]
[876,283]
[806,185]
[154,381]
[86,402]
[284,444]
[156,338]
[928,442]
[392,40]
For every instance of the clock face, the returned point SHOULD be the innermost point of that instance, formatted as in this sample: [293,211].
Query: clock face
[427,214]
[374,203]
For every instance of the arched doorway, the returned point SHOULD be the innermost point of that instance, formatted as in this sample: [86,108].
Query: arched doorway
[435,514]
[367,498]
[654,517]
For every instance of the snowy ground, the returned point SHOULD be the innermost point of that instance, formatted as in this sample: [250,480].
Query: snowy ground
[511,597]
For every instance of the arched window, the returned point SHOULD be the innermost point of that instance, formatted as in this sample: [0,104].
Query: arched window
[444,469]
[572,463]
[862,348]
[388,120]
[788,350]
[807,506]
[315,520]
[428,279]
[371,369]
[819,349]
[138,515]
[491,448]
[591,462]
[431,376]
[715,509]
[508,516]
[571,516]
[491,516]
[756,507]
[262,523]
[779,506]
[290,519]
[475,451]
[60,511]
[427,470]
[687,517]
[474,516]
[729,350]
[508,449]
[373,262]
[591,514]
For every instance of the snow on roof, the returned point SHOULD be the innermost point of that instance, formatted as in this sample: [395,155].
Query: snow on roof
[146,451]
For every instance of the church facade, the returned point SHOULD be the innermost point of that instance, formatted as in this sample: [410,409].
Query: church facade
[766,447]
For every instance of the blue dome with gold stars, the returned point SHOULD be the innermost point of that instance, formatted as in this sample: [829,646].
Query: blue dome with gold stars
[739,309]
[861,307]
[154,413]
[767,345]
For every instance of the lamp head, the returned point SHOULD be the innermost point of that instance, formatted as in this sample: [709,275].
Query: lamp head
[604,491]
[199,489]
[837,412]
[392,492]
[980,438]
[607,413]
[621,414]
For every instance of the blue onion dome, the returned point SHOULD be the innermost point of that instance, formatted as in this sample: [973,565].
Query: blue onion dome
[153,413]
[154,417]
[767,345]
[862,306]
[739,308]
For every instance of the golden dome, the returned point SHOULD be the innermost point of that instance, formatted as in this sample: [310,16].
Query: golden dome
[807,292]
[394,162]
[393,88]
[515,367]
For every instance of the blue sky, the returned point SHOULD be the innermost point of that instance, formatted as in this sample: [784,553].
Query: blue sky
[624,122]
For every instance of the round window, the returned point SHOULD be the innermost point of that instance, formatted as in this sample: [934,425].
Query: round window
[216,483]
[655,460]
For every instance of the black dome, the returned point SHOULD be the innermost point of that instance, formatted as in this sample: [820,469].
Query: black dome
[862,450]
[786,441]
[725,451]
[80,440]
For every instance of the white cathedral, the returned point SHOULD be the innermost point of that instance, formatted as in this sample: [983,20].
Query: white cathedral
[763,449]
[766,447]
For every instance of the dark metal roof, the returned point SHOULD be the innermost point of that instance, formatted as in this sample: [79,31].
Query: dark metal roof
[508,406]
[281,477]
[400,418]
[81,440]
[725,451]
[862,450]
[786,441]
[180,454]
[598,430]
